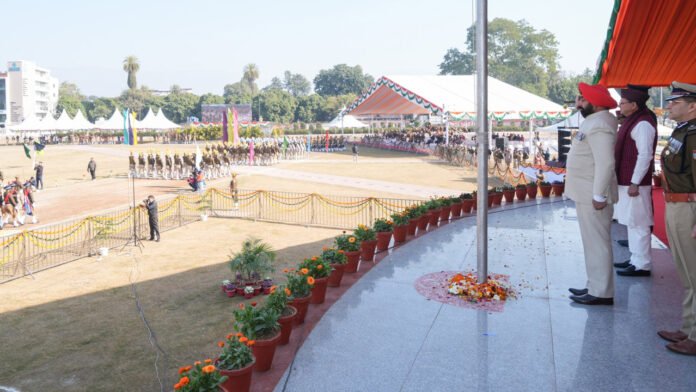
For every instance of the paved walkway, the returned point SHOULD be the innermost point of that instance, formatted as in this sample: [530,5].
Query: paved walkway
[382,335]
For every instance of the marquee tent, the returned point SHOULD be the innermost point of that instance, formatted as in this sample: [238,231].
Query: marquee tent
[347,121]
[30,123]
[148,122]
[162,122]
[80,122]
[115,122]
[456,94]
[64,122]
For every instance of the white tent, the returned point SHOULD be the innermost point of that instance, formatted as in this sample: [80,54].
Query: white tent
[162,122]
[347,121]
[148,122]
[115,122]
[79,122]
[48,123]
[30,123]
[64,122]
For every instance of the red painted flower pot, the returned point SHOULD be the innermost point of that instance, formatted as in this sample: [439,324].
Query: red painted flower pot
[467,205]
[367,250]
[248,295]
[497,198]
[545,190]
[521,193]
[445,213]
[400,233]
[264,351]
[231,293]
[412,226]
[558,189]
[238,380]
[240,290]
[456,210]
[353,259]
[286,325]
[319,290]
[336,274]
[434,217]
[532,191]
[301,304]
[383,239]
[423,222]
[509,195]
[475,205]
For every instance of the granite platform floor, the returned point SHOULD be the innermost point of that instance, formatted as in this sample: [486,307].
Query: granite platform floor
[382,335]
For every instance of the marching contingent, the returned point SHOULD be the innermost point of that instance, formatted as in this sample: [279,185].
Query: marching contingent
[16,202]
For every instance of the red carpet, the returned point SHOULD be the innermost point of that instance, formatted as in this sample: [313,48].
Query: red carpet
[659,214]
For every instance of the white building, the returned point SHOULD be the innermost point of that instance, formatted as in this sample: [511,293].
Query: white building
[31,91]
[3,101]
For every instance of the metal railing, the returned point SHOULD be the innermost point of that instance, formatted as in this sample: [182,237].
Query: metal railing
[34,250]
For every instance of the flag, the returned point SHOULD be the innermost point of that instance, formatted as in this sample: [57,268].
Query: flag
[39,148]
[327,141]
[134,132]
[285,143]
[225,134]
[235,116]
[251,153]
[27,151]
[198,157]
[309,143]
[125,127]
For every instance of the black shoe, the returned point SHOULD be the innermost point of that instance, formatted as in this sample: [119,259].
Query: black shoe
[625,264]
[150,239]
[157,240]
[623,243]
[591,300]
[578,291]
[632,271]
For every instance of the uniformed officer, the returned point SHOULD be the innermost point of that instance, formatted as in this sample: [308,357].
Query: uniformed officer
[679,168]
[151,205]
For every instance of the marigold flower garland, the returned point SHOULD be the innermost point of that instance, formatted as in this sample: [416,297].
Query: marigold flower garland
[467,287]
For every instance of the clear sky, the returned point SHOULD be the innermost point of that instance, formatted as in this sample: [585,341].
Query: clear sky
[204,44]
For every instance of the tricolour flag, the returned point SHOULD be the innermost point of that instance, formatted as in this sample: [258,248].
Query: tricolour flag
[225,134]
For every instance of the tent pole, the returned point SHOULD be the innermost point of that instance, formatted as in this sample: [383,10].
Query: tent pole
[482,139]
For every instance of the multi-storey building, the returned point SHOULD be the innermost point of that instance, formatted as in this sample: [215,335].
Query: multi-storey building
[31,91]
[3,100]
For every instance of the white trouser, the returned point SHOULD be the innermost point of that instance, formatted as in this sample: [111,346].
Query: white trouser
[639,245]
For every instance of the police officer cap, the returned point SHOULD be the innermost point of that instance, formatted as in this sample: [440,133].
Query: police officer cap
[682,90]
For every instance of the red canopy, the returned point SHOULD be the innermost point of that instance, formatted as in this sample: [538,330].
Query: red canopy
[649,42]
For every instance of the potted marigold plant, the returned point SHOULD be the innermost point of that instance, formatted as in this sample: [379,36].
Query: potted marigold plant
[434,209]
[413,218]
[467,202]
[319,269]
[383,227]
[259,323]
[252,261]
[201,377]
[545,188]
[445,209]
[236,362]
[300,287]
[351,246]
[508,193]
[368,242]
[337,259]
[400,226]
[521,191]
[278,299]
[421,211]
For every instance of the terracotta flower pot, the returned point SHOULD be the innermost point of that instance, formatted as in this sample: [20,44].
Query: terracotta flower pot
[240,290]
[532,191]
[423,222]
[367,250]
[336,274]
[545,190]
[248,295]
[319,290]
[475,205]
[301,304]
[238,380]
[434,217]
[521,193]
[264,351]
[286,323]
[445,213]
[456,210]
[383,239]
[509,195]
[412,226]
[490,201]
[497,198]
[353,259]
[400,233]
[467,205]
[231,293]
[558,189]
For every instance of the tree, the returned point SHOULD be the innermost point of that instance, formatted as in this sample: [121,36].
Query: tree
[517,54]
[296,84]
[131,66]
[342,79]
[563,89]
[96,107]
[69,98]
[139,100]
[180,105]
[333,105]
[237,93]
[276,84]
[276,105]
[208,99]
[309,108]
[251,74]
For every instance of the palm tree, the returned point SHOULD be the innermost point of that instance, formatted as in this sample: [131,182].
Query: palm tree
[251,74]
[131,65]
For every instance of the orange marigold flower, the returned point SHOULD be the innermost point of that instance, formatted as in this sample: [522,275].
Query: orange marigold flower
[314,258]
[304,271]
[251,343]
[229,336]
[351,239]
[243,339]
[253,304]
[239,334]
[341,251]
[197,363]
[285,271]
[288,292]
[221,344]
[310,280]
[208,361]
[320,266]
[208,369]
[325,248]
[241,306]
[273,289]
[184,369]
[177,386]
[184,381]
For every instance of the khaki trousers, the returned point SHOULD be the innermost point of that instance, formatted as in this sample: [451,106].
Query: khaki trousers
[680,219]
[595,230]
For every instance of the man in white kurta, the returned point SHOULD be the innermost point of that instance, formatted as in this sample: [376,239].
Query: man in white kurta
[634,154]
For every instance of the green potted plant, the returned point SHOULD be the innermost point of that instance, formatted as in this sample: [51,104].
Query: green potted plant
[495,197]
[400,220]
[279,300]
[545,188]
[300,290]
[521,191]
[319,269]
[532,188]
[421,211]
[368,241]
[255,259]
[351,246]
[508,193]
[445,209]
[201,377]
[259,323]
[383,227]
[433,206]
[337,259]
[236,362]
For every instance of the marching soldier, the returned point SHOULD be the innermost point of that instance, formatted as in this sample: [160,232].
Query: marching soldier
[679,168]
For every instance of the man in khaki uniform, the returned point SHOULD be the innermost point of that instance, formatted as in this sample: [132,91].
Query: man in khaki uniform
[591,184]
[679,168]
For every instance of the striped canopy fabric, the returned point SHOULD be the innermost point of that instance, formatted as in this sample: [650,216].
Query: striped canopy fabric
[649,42]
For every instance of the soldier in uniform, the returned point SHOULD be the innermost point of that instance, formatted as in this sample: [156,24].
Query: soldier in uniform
[679,168]
[151,206]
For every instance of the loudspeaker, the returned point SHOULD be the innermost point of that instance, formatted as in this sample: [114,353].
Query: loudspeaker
[564,142]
